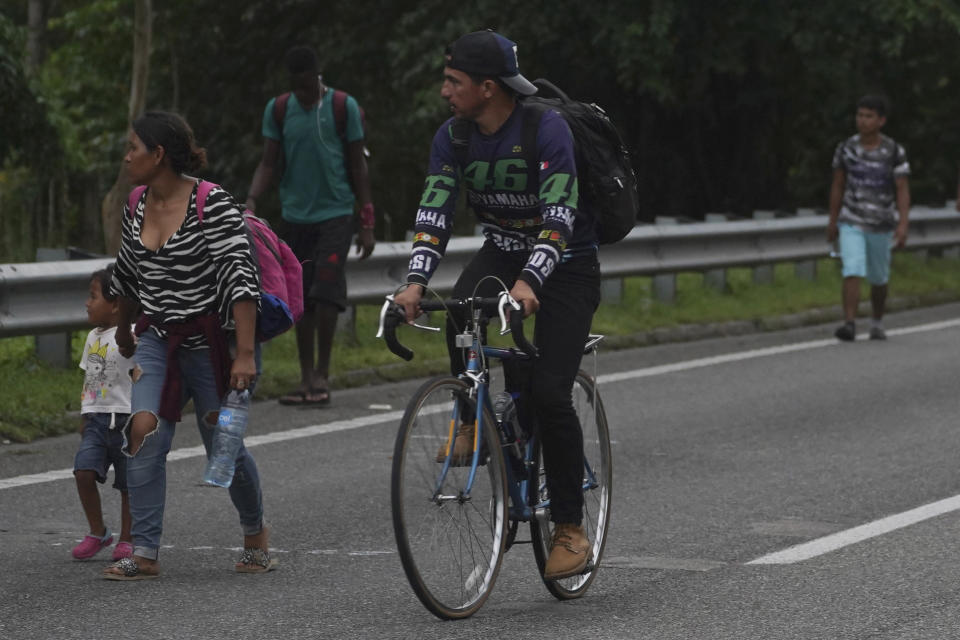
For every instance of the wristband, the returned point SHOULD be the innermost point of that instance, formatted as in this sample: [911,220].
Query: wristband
[366,216]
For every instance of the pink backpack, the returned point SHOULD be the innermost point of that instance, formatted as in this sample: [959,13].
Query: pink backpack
[281,275]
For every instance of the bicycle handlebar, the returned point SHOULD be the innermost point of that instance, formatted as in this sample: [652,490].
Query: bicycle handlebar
[392,315]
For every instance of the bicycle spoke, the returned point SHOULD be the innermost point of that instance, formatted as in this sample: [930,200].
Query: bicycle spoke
[451,548]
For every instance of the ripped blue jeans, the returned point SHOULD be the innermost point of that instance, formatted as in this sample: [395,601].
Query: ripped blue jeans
[147,469]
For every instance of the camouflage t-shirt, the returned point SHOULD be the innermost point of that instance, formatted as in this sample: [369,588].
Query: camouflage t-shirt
[869,198]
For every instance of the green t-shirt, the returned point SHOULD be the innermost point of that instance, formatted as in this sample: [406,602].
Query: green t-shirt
[315,184]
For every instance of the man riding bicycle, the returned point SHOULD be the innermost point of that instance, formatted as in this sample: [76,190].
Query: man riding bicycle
[537,242]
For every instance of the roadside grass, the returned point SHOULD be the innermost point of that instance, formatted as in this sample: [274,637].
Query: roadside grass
[42,401]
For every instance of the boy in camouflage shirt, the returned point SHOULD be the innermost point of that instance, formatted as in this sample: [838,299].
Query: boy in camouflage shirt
[869,207]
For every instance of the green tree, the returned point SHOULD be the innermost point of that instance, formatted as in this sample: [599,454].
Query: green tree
[726,106]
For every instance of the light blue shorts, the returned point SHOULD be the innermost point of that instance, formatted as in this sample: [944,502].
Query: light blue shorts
[865,254]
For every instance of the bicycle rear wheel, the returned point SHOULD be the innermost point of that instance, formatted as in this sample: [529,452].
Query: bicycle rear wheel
[597,482]
[451,545]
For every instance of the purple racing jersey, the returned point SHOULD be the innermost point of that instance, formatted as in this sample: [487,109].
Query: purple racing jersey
[521,209]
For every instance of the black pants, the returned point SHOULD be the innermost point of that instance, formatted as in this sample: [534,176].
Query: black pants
[567,303]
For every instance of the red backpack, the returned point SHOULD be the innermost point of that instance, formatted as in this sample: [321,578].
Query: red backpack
[281,275]
[339,113]
[339,119]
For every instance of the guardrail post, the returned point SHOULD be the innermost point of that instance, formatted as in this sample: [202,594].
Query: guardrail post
[611,290]
[806,269]
[951,253]
[347,324]
[925,253]
[763,274]
[715,278]
[665,285]
[53,348]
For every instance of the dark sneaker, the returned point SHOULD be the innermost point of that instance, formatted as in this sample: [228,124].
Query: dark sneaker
[847,332]
[569,552]
[877,333]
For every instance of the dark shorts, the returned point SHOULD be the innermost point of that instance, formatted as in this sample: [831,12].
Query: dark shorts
[100,447]
[322,248]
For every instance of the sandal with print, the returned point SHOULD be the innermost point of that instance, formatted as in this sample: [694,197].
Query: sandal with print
[128,569]
[255,560]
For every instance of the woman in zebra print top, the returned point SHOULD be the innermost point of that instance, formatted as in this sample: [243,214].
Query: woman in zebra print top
[198,288]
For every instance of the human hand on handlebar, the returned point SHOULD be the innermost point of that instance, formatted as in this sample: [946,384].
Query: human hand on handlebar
[409,299]
[522,293]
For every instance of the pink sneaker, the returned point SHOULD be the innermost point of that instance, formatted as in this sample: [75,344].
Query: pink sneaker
[122,550]
[91,546]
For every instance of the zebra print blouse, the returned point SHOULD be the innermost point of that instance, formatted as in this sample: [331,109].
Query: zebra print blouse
[203,268]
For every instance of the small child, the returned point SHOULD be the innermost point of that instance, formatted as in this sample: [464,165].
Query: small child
[104,407]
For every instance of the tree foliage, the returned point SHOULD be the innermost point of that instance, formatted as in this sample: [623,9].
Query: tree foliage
[726,106]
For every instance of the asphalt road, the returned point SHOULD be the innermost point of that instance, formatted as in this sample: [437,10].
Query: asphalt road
[726,451]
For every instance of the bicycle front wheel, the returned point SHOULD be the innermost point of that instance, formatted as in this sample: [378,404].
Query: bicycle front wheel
[597,485]
[451,541]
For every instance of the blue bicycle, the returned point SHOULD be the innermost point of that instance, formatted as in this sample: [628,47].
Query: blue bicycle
[455,518]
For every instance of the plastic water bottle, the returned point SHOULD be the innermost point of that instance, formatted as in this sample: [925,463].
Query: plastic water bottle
[505,412]
[227,438]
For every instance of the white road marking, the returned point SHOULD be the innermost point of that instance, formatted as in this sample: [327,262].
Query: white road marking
[314,552]
[394,416]
[841,539]
[251,442]
[797,553]
[725,358]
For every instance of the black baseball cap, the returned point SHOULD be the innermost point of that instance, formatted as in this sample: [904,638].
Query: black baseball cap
[488,53]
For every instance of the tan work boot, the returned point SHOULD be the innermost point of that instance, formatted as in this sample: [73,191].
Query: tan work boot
[569,552]
[462,446]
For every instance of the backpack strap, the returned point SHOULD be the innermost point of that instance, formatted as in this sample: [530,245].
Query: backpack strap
[460,132]
[546,89]
[340,114]
[134,198]
[203,190]
[280,110]
[532,114]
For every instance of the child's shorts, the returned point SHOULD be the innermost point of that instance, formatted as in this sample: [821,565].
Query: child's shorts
[865,254]
[100,448]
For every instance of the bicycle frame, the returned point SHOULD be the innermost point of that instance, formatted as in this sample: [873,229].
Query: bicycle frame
[477,375]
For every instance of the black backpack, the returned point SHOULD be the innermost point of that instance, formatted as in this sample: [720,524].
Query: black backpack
[608,186]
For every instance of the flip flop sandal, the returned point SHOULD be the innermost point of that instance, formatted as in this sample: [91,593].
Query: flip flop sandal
[255,560]
[294,398]
[129,570]
[319,391]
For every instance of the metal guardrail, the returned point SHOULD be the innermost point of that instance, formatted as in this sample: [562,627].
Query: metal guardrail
[48,297]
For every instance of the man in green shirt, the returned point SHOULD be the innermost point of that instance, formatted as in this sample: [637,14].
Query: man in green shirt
[323,174]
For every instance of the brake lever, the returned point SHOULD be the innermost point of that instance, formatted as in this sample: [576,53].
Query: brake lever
[383,314]
[506,300]
[387,303]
